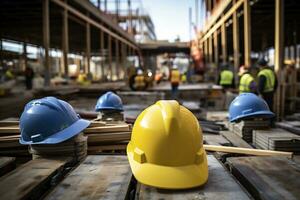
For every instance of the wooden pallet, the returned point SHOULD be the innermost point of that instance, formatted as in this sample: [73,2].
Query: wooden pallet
[220,185]
[273,178]
[98,177]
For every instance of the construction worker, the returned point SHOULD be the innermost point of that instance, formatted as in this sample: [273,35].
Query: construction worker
[139,80]
[166,147]
[110,107]
[29,75]
[226,77]
[247,81]
[175,80]
[49,121]
[267,82]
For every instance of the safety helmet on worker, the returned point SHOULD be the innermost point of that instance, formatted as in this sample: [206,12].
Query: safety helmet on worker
[248,105]
[262,62]
[109,101]
[49,121]
[166,147]
[139,72]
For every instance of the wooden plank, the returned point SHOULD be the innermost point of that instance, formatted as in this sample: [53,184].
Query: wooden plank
[108,129]
[9,123]
[213,139]
[235,140]
[9,130]
[28,179]
[220,185]
[98,177]
[7,164]
[269,177]
[108,137]
[246,151]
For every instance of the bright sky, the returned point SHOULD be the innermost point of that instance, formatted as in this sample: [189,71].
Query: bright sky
[170,18]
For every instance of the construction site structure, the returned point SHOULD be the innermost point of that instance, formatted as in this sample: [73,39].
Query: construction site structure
[242,31]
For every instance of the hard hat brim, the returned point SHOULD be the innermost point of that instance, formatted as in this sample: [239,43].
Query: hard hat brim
[169,177]
[263,114]
[62,135]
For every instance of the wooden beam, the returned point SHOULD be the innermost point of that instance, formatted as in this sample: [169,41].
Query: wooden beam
[65,42]
[223,19]
[224,42]
[236,44]
[279,54]
[247,33]
[110,56]
[88,48]
[46,41]
[210,49]
[117,59]
[254,152]
[93,22]
[216,48]
[102,54]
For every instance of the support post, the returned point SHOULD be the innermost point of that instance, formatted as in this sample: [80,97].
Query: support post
[216,48]
[247,32]
[210,49]
[279,54]
[102,54]
[110,57]
[224,42]
[236,44]
[25,54]
[65,42]
[88,47]
[117,58]
[46,41]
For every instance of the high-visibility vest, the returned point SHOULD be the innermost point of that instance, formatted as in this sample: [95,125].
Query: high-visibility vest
[175,76]
[245,82]
[270,79]
[139,81]
[226,77]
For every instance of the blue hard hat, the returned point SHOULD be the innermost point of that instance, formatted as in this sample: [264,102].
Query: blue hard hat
[49,121]
[109,101]
[248,105]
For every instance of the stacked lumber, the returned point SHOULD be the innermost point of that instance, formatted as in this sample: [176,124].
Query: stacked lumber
[107,138]
[9,140]
[245,128]
[276,139]
[292,126]
[75,148]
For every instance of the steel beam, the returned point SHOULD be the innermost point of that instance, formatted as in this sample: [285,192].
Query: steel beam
[46,41]
[224,42]
[236,44]
[65,42]
[247,33]
[279,55]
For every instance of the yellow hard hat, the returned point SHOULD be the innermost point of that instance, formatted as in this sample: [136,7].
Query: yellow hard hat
[166,147]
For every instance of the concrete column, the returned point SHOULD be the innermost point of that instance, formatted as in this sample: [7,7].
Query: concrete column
[236,44]
[224,42]
[88,48]
[65,42]
[247,32]
[279,55]
[46,41]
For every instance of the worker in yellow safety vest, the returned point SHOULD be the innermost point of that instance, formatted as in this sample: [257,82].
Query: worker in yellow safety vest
[247,81]
[226,77]
[139,80]
[175,80]
[267,82]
